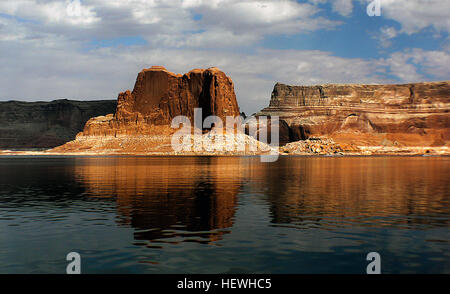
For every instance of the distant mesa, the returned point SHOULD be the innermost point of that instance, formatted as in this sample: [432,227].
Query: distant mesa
[28,125]
[405,115]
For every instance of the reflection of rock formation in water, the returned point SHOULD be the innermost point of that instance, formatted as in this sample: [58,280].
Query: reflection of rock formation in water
[326,191]
[163,199]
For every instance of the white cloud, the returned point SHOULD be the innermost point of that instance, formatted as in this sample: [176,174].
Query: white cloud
[434,63]
[343,7]
[405,65]
[60,69]
[400,66]
[217,38]
[45,57]
[412,15]
[416,15]
[69,12]
[260,17]
[9,31]
[385,36]
[170,23]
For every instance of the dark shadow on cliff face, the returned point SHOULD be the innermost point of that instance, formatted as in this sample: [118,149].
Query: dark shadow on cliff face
[25,125]
[286,133]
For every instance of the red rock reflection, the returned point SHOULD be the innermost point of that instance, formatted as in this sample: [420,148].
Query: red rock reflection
[359,189]
[167,200]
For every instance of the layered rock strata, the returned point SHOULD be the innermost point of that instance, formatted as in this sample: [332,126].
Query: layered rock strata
[366,115]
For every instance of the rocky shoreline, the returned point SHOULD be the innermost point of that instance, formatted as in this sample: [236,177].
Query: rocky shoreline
[310,147]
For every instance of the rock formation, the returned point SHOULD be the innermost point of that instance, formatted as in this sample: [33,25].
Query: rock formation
[159,95]
[322,119]
[46,124]
[318,146]
[142,121]
[366,115]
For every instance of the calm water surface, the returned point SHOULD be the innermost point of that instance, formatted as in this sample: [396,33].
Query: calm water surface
[224,214]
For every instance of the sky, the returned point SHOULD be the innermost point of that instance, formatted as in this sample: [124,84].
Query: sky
[93,49]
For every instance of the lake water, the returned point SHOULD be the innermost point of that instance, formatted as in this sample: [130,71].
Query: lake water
[224,214]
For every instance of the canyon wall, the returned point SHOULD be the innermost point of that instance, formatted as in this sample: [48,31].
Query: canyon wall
[399,115]
[46,124]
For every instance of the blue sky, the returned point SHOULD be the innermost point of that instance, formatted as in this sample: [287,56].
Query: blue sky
[357,36]
[93,49]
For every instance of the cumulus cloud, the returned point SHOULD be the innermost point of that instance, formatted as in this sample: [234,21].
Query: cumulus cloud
[9,31]
[400,66]
[416,15]
[61,69]
[69,12]
[267,16]
[174,23]
[343,7]
[407,65]
[434,63]
[412,15]
[385,35]
[46,53]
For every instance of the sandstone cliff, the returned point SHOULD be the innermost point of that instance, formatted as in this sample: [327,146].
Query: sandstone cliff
[141,122]
[26,125]
[159,95]
[366,115]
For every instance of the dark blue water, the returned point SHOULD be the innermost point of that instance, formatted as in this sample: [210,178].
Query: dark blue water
[224,214]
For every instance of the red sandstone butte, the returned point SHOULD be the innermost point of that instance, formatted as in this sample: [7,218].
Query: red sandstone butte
[159,95]
[143,116]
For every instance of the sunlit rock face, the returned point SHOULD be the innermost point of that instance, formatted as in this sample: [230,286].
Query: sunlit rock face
[142,121]
[411,114]
[159,95]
